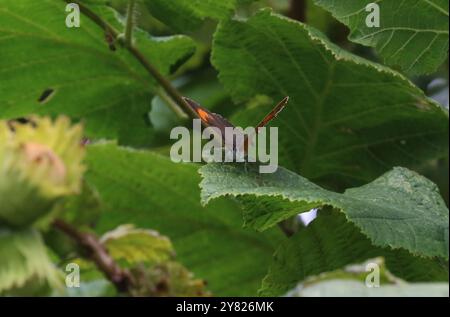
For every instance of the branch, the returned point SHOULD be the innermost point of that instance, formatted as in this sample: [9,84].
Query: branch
[119,277]
[152,70]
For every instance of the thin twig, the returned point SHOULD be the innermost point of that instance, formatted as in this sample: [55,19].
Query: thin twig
[165,84]
[152,70]
[121,278]
[169,102]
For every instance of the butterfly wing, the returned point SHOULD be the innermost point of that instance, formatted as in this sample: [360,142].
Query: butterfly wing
[210,119]
[273,114]
[269,117]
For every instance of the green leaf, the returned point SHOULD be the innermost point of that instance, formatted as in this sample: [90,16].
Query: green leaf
[400,209]
[331,242]
[25,267]
[348,120]
[413,34]
[135,246]
[350,282]
[150,191]
[149,257]
[187,15]
[348,288]
[168,279]
[83,78]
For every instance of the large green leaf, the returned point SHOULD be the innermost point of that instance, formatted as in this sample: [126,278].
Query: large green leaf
[24,262]
[348,120]
[187,15]
[349,288]
[350,281]
[150,191]
[400,209]
[413,34]
[109,89]
[329,243]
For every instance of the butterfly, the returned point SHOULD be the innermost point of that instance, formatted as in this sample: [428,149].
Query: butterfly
[210,119]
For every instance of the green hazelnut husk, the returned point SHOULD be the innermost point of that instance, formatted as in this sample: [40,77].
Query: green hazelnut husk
[40,163]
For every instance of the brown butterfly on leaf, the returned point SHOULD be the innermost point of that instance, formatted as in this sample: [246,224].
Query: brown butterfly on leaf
[210,119]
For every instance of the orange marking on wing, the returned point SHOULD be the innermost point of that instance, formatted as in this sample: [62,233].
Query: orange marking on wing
[203,115]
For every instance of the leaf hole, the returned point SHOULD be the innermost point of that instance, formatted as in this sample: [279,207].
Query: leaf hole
[46,95]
